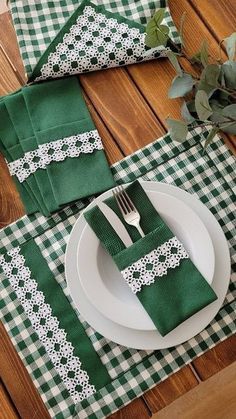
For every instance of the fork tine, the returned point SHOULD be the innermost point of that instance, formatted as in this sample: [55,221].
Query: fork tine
[129,200]
[115,194]
[123,201]
[122,195]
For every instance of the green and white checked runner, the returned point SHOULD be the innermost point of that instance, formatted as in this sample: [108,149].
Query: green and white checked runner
[38,22]
[125,373]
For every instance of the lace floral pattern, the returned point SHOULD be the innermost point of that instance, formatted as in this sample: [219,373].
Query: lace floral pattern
[46,326]
[58,150]
[155,264]
[96,42]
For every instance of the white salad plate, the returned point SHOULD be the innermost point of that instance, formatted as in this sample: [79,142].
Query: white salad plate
[149,339]
[103,283]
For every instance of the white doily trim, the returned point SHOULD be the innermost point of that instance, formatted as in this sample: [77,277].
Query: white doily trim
[47,326]
[155,264]
[96,42]
[55,151]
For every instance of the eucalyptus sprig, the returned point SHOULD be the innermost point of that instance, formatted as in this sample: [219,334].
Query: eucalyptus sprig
[210,97]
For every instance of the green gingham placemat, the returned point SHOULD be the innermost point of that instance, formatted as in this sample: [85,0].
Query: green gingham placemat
[38,22]
[209,177]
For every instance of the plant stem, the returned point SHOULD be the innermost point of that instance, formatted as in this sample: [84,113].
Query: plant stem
[230,121]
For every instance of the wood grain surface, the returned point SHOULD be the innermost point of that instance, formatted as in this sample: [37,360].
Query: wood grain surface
[215,398]
[129,107]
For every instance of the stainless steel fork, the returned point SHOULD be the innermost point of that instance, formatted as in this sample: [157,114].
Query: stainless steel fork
[127,208]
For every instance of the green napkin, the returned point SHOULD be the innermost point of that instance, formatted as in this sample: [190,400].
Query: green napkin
[12,150]
[94,38]
[156,267]
[67,139]
[23,127]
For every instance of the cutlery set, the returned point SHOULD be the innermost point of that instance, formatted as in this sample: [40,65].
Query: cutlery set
[127,210]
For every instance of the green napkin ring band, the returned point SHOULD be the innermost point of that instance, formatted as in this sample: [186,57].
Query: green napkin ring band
[55,151]
[152,266]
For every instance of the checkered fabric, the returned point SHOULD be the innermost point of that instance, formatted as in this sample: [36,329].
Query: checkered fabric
[37,22]
[210,177]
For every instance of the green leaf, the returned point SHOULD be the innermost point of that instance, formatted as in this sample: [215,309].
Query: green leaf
[164,29]
[204,53]
[156,39]
[156,34]
[186,114]
[181,29]
[222,116]
[209,79]
[230,44]
[229,72]
[177,129]
[210,137]
[196,58]
[151,40]
[181,85]
[202,105]
[202,85]
[159,16]
[230,111]
[174,61]
[211,74]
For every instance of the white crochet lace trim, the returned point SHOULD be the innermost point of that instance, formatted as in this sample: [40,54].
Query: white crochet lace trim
[57,150]
[96,42]
[46,326]
[154,265]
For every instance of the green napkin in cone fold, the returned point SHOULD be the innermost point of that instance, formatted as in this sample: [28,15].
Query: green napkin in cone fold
[157,268]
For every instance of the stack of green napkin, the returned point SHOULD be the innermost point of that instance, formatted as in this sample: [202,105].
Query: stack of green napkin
[156,267]
[51,145]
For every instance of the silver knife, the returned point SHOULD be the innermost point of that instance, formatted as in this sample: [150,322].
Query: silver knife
[116,223]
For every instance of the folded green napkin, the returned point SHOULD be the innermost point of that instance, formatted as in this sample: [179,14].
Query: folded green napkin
[18,113]
[70,146]
[12,150]
[94,38]
[156,267]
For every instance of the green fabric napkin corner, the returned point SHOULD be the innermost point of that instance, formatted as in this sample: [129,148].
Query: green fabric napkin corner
[171,298]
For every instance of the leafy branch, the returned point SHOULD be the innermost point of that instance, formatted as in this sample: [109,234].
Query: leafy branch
[209,98]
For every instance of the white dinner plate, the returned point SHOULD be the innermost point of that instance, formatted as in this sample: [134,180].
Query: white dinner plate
[101,279]
[151,339]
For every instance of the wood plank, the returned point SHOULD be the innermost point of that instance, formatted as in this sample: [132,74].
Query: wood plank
[11,207]
[215,398]
[7,409]
[122,108]
[170,389]
[194,28]
[218,16]
[112,149]
[216,359]
[8,80]
[9,43]
[136,409]
[18,382]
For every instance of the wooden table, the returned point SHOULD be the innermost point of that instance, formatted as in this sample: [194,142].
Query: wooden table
[129,115]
